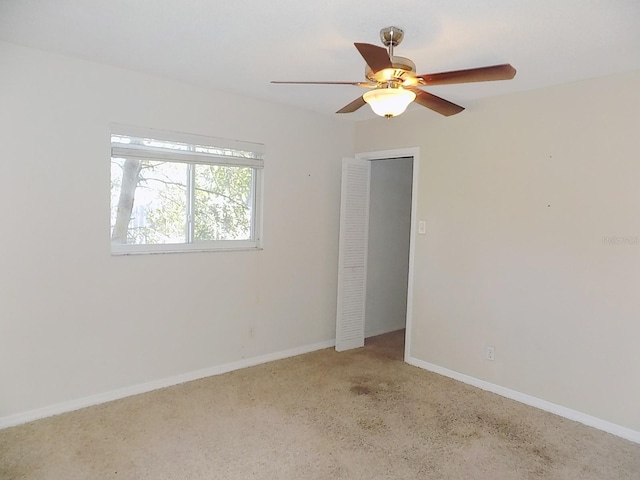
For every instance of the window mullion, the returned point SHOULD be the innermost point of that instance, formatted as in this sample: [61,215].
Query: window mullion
[254,173]
[189,224]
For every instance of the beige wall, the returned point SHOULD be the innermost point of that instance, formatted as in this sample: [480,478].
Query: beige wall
[520,193]
[75,321]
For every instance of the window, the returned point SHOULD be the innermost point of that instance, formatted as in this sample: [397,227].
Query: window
[174,192]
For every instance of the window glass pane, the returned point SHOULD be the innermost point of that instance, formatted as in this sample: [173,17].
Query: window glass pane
[223,203]
[148,201]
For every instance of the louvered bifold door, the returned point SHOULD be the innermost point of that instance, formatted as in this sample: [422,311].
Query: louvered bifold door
[352,257]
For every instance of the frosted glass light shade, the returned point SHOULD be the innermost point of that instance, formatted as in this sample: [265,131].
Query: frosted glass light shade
[389,102]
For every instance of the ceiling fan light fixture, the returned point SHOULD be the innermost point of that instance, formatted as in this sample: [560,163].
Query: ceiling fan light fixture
[395,84]
[389,102]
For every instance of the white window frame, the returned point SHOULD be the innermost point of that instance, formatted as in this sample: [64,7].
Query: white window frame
[254,161]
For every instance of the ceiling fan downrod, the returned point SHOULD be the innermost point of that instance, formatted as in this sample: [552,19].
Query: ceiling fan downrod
[391,37]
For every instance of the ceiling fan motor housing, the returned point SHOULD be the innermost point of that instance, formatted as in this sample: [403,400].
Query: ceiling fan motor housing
[402,69]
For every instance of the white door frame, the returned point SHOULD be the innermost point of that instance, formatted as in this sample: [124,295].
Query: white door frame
[396,153]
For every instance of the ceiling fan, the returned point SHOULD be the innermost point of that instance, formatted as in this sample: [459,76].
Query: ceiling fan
[393,83]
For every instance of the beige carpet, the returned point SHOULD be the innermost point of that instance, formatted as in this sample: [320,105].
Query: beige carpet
[362,414]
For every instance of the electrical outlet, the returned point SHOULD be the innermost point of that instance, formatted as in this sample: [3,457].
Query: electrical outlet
[490,353]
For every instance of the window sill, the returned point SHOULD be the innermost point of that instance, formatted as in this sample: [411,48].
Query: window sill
[117,250]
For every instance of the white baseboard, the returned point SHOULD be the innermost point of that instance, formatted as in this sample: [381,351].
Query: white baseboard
[31,415]
[559,410]
[382,331]
[64,407]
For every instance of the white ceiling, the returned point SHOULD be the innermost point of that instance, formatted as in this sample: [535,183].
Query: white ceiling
[240,45]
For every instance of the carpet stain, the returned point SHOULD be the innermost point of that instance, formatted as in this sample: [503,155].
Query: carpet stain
[375,387]
[467,432]
[533,452]
[373,424]
[362,385]
[360,390]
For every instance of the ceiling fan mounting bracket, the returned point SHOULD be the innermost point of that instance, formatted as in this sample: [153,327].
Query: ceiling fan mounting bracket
[391,36]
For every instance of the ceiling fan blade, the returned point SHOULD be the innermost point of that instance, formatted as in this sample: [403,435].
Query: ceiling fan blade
[437,104]
[482,74]
[376,57]
[353,106]
[357,84]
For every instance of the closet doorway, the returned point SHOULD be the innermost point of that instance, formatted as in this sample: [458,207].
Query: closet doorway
[377,232]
